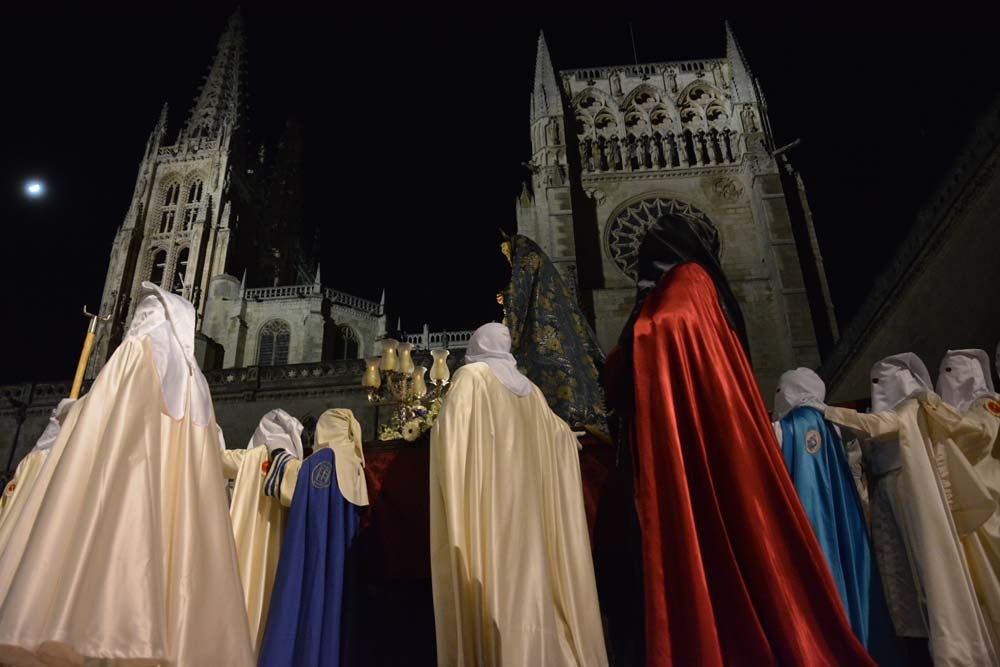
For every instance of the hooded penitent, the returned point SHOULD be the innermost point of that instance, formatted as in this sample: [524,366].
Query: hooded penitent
[550,337]
[964,377]
[965,382]
[511,565]
[935,502]
[124,551]
[817,463]
[258,518]
[312,606]
[722,530]
[490,344]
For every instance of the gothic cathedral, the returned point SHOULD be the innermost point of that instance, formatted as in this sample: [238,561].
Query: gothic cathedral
[204,212]
[616,148]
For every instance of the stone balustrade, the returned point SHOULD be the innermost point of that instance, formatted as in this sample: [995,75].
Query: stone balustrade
[643,70]
[355,302]
[298,291]
[281,292]
[455,340]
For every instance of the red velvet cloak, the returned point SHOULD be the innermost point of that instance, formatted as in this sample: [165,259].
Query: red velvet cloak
[732,572]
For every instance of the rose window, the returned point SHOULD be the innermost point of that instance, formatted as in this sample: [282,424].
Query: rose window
[628,228]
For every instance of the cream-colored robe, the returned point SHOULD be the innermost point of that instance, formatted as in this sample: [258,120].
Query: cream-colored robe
[18,490]
[258,526]
[124,550]
[982,546]
[938,502]
[512,572]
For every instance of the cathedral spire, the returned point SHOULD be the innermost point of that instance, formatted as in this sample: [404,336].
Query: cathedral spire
[742,78]
[219,100]
[744,83]
[161,124]
[546,99]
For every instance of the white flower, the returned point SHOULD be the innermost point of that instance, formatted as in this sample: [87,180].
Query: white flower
[411,430]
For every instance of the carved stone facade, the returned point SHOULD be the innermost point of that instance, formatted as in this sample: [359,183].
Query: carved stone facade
[614,148]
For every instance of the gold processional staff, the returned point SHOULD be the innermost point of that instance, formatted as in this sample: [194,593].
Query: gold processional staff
[88,343]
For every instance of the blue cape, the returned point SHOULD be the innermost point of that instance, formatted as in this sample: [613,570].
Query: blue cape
[309,622]
[817,464]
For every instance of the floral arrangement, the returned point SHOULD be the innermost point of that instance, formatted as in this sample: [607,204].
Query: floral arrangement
[414,417]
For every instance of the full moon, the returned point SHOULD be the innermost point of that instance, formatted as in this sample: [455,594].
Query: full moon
[34,188]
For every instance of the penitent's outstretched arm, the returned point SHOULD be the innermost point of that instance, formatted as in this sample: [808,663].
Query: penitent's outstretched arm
[879,426]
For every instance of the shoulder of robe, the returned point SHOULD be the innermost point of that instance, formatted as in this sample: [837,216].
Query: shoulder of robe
[469,375]
[125,361]
[670,316]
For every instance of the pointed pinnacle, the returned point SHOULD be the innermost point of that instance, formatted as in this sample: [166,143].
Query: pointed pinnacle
[546,99]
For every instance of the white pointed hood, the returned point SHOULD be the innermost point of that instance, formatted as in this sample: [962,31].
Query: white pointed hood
[338,430]
[897,378]
[963,377]
[490,344]
[169,321]
[51,432]
[278,430]
[796,388]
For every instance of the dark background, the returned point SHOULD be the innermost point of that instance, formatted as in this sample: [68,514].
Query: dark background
[415,128]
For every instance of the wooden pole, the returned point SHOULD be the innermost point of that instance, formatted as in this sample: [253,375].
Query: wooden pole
[88,344]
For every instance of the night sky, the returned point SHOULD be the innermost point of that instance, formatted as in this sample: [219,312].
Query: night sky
[415,129]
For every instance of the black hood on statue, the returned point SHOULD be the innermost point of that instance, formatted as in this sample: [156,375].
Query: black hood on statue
[676,240]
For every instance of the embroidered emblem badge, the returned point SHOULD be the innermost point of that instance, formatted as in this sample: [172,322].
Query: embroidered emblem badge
[813,441]
[265,466]
[10,488]
[993,406]
[321,475]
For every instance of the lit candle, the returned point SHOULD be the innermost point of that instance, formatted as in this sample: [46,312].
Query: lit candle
[439,369]
[419,386]
[405,359]
[389,354]
[372,379]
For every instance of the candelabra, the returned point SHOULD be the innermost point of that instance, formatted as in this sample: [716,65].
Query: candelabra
[394,379]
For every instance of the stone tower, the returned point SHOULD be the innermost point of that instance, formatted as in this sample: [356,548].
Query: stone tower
[184,219]
[615,148]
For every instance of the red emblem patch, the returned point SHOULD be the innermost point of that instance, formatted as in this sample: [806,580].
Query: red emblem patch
[993,406]
[264,467]
[10,488]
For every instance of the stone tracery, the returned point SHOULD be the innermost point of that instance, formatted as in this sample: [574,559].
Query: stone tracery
[651,129]
[628,226]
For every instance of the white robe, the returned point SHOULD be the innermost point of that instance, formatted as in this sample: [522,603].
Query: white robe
[258,526]
[125,551]
[512,572]
[18,490]
[934,513]
[982,545]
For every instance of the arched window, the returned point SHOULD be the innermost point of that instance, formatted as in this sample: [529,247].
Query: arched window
[272,350]
[193,201]
[194,192]
[169,209]
[180,271]
[159,266]
[346,343]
